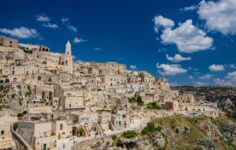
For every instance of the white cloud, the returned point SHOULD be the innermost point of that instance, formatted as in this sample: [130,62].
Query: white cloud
[198,83]
[187,37]
[222,82]
[161,21]
[21,32]
[190,8]
[206,77]
[72,28]
[64,20]
[232,66]
[190,77]
[42,18]
[177,58]
[215,67]
[50,25]
[170,69]
[97,49]
[228,80]
[79,40]
[220,16]
[133,67]
[231,76]
[162,50]
[69,26]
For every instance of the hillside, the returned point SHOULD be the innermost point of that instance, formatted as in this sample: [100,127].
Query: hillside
[177,132]
[225,97]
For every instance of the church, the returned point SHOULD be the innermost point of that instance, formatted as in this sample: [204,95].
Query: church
[51,61]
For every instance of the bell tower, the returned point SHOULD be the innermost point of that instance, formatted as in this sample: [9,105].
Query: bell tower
[68,48]
[68,58]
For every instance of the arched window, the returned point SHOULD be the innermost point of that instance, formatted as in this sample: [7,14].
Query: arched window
[39,78]
[68,95]
[7,80]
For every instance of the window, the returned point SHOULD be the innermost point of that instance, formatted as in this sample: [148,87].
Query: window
[2,132]
[43,95]
[61,126]
[39,78]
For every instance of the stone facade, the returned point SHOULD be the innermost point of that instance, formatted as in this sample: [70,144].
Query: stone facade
[93,98]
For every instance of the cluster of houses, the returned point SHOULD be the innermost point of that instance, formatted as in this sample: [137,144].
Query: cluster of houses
[56,98]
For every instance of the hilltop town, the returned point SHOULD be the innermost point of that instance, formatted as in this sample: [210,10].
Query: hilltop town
[50,101]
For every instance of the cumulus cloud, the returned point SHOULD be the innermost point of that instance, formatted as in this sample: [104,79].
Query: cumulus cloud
[79,40]
[222,82]
[215,67]
[206,77]
[68,24]
[133,66]
[50,25]
[161,21]
[228,80]
[219,16]
[231,76]
[21,32]
[173,69]
[187,37]
[177,58]
[42,18]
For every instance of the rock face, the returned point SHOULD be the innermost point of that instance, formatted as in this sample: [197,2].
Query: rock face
[159,140]
[182,129]
[224,97]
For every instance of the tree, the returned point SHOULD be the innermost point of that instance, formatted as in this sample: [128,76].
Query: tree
[132,100]
[139,101]
[19,115]
[150,129]
[15,126]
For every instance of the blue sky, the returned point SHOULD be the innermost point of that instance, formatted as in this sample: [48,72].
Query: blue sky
[189,42]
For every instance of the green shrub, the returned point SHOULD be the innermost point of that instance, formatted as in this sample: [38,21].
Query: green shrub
[150,129]
[129,134]
[19,115]
[15,126]
[137,100]
[153,105]
[119,143]
[114,137]
[25,112]
[206,143]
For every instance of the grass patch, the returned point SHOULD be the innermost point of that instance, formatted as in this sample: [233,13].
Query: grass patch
[153,105]
[129,134]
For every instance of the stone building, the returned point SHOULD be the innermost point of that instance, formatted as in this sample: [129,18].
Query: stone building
[7,118]
[8,42]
